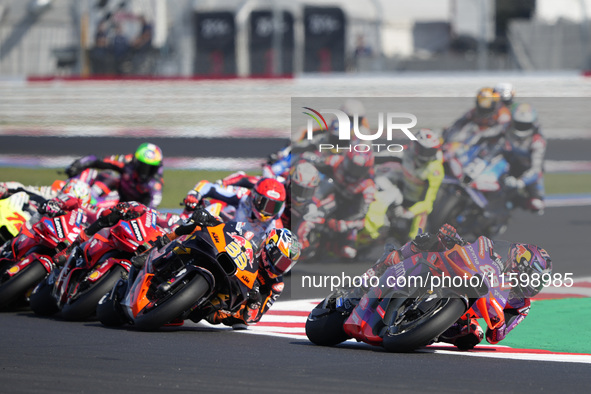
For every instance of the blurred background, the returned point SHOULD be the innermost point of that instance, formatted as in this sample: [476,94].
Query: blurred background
[213,38]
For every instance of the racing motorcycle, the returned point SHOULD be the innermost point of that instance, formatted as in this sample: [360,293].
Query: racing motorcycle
[28,258]
[190,278]
[410,305]
[14,213]
[472,197]
[92,268]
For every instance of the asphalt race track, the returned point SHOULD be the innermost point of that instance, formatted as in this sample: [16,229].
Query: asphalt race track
[51,356]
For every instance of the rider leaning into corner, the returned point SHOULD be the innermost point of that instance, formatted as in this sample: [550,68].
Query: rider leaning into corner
[490,115]
[141,173]
[352,191]
[261,206]
[524,150]
[275,252]
[466,333]
[419,180]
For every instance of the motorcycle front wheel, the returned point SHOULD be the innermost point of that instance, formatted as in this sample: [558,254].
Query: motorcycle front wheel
[174,305]
[418,321]
[84,304]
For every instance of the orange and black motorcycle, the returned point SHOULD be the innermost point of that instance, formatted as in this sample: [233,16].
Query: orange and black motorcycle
[190,278]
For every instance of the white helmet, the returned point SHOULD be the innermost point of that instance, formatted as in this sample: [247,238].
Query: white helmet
[524,117]
[505,90]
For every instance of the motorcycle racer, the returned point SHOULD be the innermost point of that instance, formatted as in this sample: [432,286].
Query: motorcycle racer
[489,116]
[75,194]
[525,148]
[351,190]
[419,180]
[275,252]
[466,333]
[141,173]
[261,206]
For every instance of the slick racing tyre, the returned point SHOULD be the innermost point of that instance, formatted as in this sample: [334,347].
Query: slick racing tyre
[109,312]
[16,286]
[324,326]
[418,321]
[83,304]
[173,306]
[446,210]
[42,301]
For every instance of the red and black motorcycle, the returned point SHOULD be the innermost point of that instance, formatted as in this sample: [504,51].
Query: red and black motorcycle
[94,267]
[28,258]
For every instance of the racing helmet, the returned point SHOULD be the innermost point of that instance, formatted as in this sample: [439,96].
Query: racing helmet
[147,160]
[424,149]
[303,181]
[79,189]
[281,252]
[267,199]
[524,117]
[486,101]
[354,167]
[532,261]
[506,92]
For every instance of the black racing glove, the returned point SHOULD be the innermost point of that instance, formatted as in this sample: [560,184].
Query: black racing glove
[424,242]
[254,298]
[75,168]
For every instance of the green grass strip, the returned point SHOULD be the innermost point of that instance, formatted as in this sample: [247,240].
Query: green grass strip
[555,325]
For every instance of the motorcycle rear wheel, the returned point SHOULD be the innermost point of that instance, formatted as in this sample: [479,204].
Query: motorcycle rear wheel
[173,307]
[419,331]
[326,329]
[84,305]
[16,286]
[446,210]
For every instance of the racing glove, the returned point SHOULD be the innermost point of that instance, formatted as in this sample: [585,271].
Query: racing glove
[449,236]
[51,208]
[403,213]
[192,200]
[75,168]
[203,218]
[255,299]
[514,183]
[424,242]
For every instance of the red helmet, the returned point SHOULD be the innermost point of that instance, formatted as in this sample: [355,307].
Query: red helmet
[267,199]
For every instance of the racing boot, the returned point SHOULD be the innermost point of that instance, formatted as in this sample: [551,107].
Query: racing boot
[463,334]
